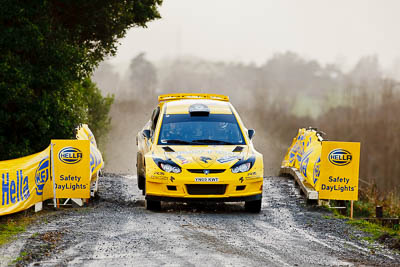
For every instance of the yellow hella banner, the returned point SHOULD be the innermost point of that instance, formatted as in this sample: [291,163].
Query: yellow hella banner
[339,170]
[24,182]
[96,160]
[29,180]
[71,159]
[304,155]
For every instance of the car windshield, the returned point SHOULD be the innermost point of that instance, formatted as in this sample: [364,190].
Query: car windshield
[214,129]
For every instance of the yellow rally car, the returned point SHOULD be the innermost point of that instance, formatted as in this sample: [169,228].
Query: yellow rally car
[196,148]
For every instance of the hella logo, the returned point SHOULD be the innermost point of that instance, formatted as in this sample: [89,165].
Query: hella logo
[340,157]
[70,155]
[42,175]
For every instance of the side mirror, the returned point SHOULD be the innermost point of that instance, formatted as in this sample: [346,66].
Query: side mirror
[251,133]
[147,134]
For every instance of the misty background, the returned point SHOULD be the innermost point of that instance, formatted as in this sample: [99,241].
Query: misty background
[342,76]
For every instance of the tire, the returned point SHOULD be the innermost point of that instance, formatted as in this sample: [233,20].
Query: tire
[144,187]
[253,206]
[153,205]
[141,182]
[140,178]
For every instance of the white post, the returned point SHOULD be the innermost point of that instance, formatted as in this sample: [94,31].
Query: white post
[52,173]
[38,206]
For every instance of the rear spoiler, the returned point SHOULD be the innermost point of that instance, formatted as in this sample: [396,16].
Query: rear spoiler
[170,97]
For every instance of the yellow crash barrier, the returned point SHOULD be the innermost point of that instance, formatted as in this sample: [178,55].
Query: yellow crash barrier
[330,167]
[25,182]
[28,180]
[305,155]
[96,160]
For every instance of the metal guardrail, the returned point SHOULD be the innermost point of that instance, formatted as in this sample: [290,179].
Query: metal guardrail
[307,189]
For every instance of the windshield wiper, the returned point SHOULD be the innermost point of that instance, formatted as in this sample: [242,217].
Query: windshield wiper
[176,141]
[210,141]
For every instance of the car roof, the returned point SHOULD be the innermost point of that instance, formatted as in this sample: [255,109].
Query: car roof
[182,106]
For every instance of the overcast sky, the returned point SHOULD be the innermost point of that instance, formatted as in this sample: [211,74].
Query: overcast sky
[253,30]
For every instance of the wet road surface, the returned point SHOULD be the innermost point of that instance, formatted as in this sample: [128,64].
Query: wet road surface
[116,229]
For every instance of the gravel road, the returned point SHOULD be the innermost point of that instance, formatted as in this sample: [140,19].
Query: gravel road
[116,229]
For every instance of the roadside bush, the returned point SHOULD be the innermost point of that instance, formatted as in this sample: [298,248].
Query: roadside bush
[370,197]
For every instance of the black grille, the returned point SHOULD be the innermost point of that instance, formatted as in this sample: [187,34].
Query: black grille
[206,189]
[240,187]
[209,170]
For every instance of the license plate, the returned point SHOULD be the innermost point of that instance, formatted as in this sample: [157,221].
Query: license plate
[206,179]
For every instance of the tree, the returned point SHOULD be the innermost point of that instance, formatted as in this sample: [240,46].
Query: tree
[142,78]
[106,78]
[46,48]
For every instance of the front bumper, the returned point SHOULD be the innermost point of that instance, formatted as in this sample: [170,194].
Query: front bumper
[227,189]
[203,199]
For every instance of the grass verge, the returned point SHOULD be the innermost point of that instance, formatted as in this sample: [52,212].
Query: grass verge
[14,224]
[376,232]
[385,235]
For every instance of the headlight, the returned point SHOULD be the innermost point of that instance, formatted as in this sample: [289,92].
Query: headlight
[169,168]
[242,168]
[167,165]
[243,165]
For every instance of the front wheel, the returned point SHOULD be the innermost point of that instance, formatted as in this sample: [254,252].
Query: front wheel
[141,182]
[253,206]
[139,168]
[153,205]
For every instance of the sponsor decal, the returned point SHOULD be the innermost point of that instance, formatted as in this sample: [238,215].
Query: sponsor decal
[159,177]
[292,155]
[252,175]
[95,159]
[317,171]
[340,188]
[227,159]
[172,179]
[70,155]
[206,179]
[42,175]
[182,159]
[14,190]
[202,152]
[340,157]
[72,182]
[339,185]
[304,163]
[300,147]
[205,159]
[241,179]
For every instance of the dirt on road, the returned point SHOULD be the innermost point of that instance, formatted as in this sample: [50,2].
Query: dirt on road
[116,229]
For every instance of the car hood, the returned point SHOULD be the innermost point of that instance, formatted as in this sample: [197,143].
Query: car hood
[195,157]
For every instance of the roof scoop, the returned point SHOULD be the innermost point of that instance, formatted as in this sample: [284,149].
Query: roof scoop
[199,110]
